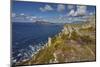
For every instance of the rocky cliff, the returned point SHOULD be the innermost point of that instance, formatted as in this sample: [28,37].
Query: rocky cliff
[76,42]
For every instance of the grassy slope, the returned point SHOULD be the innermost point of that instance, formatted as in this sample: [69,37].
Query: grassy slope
[68,49]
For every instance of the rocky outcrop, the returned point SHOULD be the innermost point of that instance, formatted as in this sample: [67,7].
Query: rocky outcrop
[76,42]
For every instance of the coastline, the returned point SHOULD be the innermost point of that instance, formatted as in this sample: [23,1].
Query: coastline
[70,43]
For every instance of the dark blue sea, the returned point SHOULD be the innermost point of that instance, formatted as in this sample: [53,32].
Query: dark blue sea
[27,38]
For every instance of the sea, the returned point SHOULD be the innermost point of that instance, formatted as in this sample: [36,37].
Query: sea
[28,38]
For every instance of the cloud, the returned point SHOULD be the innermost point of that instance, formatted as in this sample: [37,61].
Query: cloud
[22,14]
[91,13]
[46,8]
[70,6]
[13,15]
[27,17]
[60,8]
[33,18]
[42,9]
[21,17]
[71,13]
[81,11]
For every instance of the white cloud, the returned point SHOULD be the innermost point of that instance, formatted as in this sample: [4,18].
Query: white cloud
[32,18]
[70,6]
[81,11]
[13,14]
[27,17]
[71,13]
[46,8]
[42,9]
[22,14]
[60,7]
[91,13]
[23,18]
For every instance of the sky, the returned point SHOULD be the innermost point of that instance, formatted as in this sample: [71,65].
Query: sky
[52,12]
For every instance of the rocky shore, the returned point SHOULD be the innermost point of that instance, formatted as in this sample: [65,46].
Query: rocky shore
[76,42]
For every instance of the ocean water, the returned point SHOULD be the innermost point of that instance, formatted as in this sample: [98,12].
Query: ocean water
[27,38]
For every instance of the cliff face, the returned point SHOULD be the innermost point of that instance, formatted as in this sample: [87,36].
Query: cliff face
[76,42]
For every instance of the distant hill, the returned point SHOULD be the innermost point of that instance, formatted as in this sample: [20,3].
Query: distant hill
[42,22]
[76,42]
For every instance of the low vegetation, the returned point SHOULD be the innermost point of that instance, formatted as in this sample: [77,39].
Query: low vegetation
[77,44]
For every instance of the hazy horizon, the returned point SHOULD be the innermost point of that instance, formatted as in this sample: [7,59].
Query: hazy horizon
[51,12]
